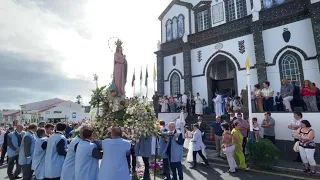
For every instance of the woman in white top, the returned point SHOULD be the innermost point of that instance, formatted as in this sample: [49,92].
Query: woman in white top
[164,104]
[267,94]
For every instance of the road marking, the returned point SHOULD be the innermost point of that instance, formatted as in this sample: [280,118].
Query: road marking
[270,173]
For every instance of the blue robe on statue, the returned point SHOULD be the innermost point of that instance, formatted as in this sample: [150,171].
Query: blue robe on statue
[53,160]
[114,165]
[38,164]
[68,168]
[23,160]
[86,166]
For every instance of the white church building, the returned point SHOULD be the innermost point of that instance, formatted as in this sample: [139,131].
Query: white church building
[204,45]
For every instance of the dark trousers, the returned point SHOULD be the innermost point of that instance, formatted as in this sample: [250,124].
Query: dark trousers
[13,161]
[194,154]
[271,138]
[3,154]
[176,166]
[166,170]
[146,174]
[26,172]
[268,104]
[132,160]
[244,145]
[298,154]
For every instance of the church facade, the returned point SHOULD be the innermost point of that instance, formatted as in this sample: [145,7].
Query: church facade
[204,45]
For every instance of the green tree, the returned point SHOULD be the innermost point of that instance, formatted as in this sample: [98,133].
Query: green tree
[97,97]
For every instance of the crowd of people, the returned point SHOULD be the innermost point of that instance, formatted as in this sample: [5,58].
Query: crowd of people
[44,151]
[290,97]
[231,136]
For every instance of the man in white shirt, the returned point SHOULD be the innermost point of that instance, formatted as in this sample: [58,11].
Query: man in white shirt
[293,126]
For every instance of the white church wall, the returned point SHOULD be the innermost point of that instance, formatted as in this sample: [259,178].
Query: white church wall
[242,79]
[176,10]
[229,46]
[310,72]
[301,37]
[283,119]
[166,88]
[199,85]
[169,67]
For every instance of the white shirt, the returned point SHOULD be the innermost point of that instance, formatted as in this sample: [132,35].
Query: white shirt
[295,123]
[184,99]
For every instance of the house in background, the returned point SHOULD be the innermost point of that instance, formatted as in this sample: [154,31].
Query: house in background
[9,116]
[53,110]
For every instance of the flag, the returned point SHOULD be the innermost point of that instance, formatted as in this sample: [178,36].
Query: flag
[133,78]
[146,80]
[141,76]
[247,64]
[154,73]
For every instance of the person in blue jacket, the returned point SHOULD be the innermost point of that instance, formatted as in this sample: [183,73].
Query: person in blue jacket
[56,152]
[26,151]
[14,143]
[38,164]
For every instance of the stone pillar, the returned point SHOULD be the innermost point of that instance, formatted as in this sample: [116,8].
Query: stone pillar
[315,19]
[260,65]
[187,74]
[160,72]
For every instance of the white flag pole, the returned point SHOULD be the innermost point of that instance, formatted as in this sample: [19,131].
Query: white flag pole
[147,82]
[134,82]
[141,79]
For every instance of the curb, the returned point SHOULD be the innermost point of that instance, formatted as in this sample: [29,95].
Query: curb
[272,168]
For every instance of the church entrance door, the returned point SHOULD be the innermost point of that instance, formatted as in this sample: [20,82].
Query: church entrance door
[221,77]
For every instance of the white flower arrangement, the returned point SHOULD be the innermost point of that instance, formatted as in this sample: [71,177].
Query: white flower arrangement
[136,118]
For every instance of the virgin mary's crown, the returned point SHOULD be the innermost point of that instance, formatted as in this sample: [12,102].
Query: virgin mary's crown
[118,42]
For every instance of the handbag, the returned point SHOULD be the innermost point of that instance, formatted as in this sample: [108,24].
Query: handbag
[296,147]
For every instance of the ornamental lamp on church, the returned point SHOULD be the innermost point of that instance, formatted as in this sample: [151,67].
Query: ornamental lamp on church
[286,35]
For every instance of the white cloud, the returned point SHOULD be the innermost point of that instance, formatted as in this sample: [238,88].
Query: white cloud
[73,36]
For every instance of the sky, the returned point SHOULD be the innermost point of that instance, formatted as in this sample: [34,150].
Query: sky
[52,48]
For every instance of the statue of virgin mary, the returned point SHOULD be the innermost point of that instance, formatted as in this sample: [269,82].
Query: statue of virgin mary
[120,71]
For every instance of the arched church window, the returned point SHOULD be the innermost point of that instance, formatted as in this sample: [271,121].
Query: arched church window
[237,9]
[175,84]
[290,67]
[169,30]
[180,25]
[174,28]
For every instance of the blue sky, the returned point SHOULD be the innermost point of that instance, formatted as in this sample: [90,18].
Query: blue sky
[51,48]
